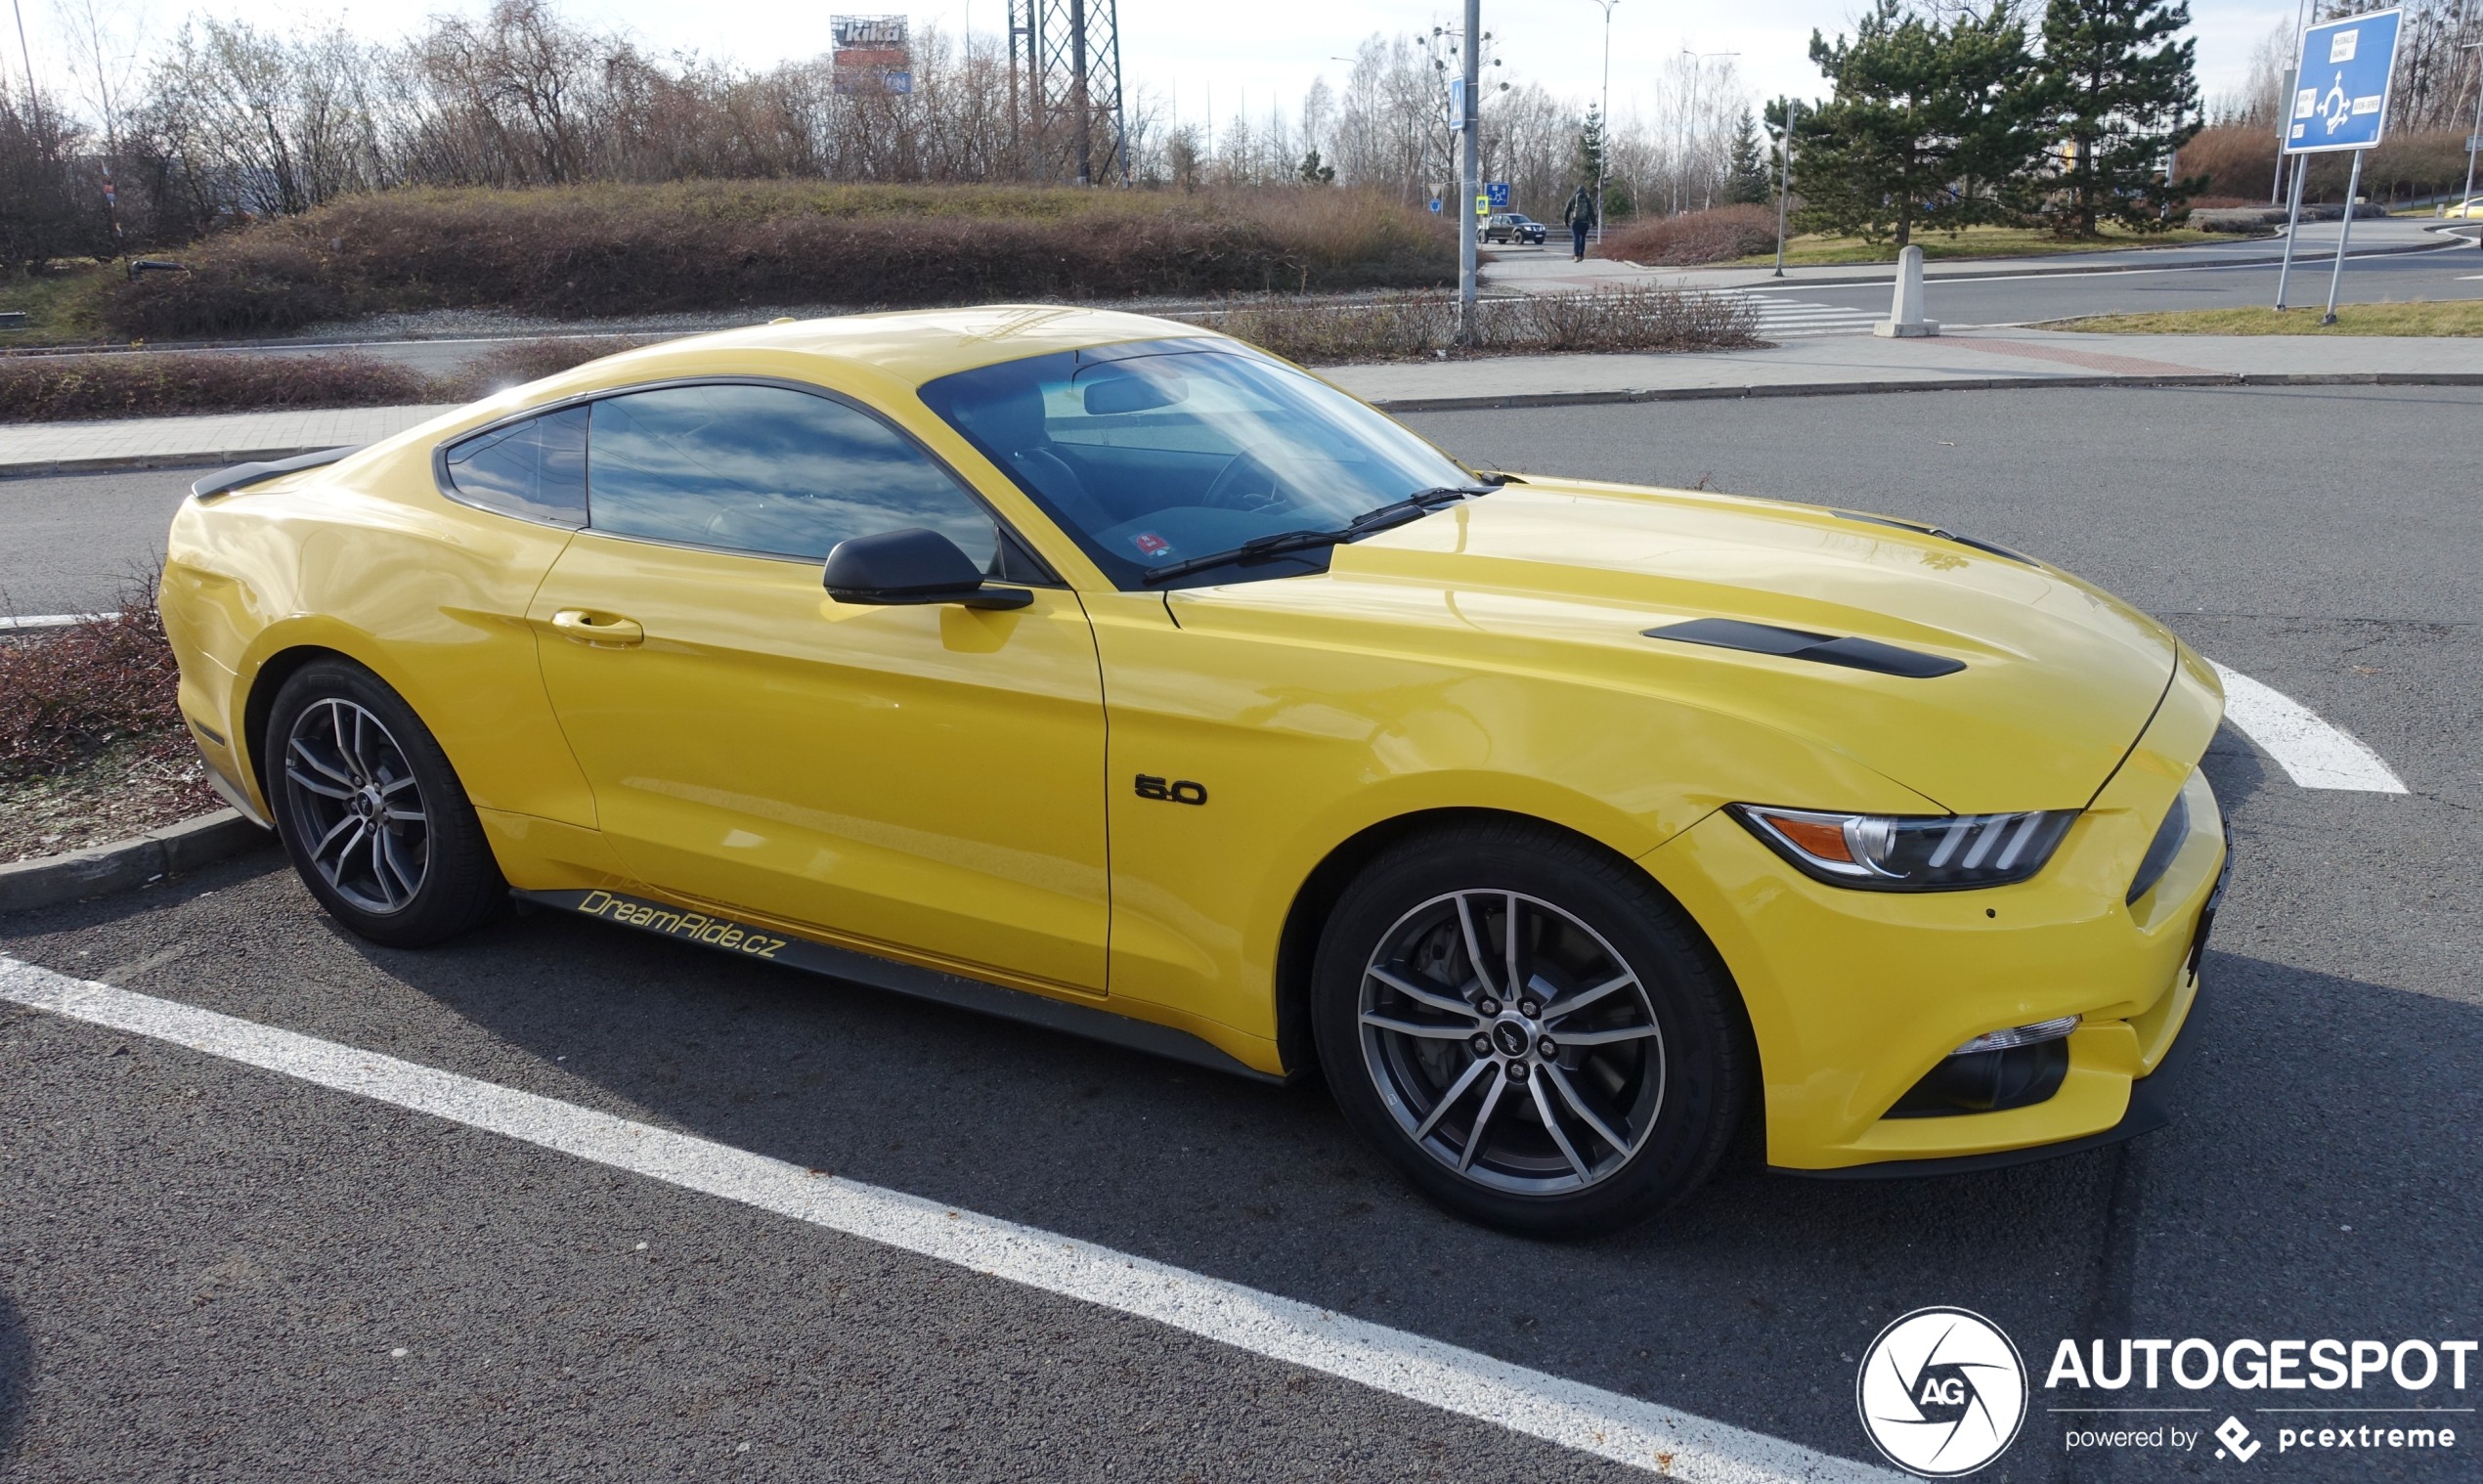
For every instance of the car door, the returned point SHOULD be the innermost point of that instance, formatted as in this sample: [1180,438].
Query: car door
[923,781]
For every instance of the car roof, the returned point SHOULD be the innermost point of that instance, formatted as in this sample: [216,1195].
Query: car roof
[922,344]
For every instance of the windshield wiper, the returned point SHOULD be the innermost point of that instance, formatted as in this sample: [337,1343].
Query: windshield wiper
[1258,547]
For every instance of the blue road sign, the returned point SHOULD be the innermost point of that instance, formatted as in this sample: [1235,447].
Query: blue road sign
[2340,91]
[1435,205]
[1498,191]
[1456,103]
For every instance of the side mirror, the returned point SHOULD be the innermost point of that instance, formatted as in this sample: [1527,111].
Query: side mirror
[913,566]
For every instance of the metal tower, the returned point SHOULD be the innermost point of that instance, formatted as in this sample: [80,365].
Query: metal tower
[1065,89]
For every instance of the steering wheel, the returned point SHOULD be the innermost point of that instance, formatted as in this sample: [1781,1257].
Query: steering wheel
[1244,484]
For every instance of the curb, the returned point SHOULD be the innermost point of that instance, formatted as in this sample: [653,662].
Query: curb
[1957,384]
[124,863]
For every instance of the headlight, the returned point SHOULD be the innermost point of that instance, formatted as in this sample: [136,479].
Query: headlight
[1909,853]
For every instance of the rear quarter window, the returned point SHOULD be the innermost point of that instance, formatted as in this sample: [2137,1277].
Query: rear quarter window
[535,470]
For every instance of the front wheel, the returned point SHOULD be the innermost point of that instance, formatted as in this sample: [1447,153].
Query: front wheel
[1528,1031]
[376,821]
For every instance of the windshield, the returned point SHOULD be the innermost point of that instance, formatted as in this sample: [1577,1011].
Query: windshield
[1165,451]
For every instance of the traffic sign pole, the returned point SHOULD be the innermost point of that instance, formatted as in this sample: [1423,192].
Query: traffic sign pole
[2344,230]
[1469,169]
[2292,230]
[2357,55]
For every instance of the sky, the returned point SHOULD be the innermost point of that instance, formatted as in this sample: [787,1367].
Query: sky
[1183,53]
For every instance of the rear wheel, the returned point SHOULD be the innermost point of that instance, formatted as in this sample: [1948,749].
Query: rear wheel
[1528,1029]
[373,816]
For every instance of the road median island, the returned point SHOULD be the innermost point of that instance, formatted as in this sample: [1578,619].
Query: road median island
[574,252]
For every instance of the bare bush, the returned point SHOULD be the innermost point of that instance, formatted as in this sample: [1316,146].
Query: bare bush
[66,388]
[1694,236]
[1412,326]
[66,692]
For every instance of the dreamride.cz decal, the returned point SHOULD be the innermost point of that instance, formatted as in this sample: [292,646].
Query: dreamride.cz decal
[693,927]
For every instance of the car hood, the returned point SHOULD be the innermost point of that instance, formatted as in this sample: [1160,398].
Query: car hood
[2060,678]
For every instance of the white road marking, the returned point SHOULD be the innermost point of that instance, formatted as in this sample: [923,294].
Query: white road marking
[1571,1413]
[2313,752]
[1789,319]
[51,620]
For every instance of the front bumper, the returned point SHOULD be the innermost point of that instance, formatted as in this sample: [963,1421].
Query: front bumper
[1854,997]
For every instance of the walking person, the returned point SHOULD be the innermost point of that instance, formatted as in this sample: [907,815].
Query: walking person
[1582,220]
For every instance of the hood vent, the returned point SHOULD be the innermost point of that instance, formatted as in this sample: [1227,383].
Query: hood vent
[1798,644]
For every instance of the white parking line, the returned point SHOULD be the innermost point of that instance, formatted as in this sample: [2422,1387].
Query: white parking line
[2313,752]
[1605,1423]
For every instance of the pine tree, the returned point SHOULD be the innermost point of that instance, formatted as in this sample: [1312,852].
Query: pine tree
[1930,124]
[2118,88]
[1589,165]
[1746,175]
[1315,172]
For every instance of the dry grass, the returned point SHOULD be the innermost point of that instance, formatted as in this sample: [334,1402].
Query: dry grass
[604,251]
[155,384]
[1408,327]
[2430,317]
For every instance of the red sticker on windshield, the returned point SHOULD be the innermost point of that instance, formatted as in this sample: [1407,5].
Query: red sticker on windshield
[1149,543]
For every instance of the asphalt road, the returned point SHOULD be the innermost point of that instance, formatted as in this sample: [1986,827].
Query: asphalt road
[78,542]
[208,1272]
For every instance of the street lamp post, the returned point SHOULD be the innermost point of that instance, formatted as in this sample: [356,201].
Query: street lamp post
[1603,118]
[2474,136]
[1784,178]
[27,58]
[1469,170]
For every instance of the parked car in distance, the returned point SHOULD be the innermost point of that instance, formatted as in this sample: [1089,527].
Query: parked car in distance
[1513,227]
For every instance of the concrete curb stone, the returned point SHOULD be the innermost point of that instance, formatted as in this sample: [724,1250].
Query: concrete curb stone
[124,863]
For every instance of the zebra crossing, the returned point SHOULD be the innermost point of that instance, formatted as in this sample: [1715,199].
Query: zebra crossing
[1784,319]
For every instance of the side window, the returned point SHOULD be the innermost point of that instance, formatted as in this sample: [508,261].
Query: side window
[770,470]
[536,470]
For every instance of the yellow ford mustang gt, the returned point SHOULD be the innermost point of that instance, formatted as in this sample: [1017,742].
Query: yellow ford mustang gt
[1108,673]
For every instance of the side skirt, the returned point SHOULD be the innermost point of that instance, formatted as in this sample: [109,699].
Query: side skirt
[743,941]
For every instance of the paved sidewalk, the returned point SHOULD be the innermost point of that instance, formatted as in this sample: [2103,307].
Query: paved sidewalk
[1857,364]
[140,443]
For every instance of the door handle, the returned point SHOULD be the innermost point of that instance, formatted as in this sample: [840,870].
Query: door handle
[592,629]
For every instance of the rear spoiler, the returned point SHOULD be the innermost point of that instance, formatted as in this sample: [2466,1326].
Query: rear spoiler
[223,481]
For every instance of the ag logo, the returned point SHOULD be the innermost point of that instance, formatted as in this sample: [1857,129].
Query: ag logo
[1941,1392]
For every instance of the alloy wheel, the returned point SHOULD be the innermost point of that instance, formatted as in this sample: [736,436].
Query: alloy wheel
[1511,1042]
[353,792]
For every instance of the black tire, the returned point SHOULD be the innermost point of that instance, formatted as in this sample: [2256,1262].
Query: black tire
[1640,1107]
[343,754]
